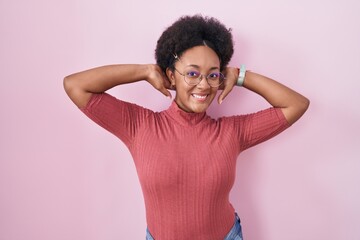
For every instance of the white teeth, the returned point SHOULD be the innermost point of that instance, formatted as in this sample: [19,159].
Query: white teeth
[199,97]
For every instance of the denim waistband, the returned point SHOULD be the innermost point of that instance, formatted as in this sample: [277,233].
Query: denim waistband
[236,231]
[234,234]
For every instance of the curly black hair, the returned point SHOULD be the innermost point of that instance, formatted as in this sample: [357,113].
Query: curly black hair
[191,31]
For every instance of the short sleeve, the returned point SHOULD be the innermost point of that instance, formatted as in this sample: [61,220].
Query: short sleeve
[121,118]
[255,128]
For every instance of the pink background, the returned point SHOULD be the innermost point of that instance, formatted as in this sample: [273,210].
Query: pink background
[64,178]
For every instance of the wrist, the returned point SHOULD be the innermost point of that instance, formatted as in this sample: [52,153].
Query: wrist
[148,71]
[241,77]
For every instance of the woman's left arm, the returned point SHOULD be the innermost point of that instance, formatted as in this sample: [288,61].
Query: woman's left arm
[292,104]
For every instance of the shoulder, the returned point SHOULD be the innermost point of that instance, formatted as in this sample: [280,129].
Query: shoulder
[106,101]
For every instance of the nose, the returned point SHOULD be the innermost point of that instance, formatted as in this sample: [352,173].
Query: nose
[202,83]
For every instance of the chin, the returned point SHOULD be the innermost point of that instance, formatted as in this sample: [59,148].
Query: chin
[200,109]
[194,106]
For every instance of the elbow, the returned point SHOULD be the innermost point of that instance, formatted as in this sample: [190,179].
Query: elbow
[75,91]
[305,103]
[67,84]
[292,114]
[302,107]
[70,88]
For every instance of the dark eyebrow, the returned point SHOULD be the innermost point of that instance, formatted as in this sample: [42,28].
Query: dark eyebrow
[197,66]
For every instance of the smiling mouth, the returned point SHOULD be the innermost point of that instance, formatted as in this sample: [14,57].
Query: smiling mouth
[199,97]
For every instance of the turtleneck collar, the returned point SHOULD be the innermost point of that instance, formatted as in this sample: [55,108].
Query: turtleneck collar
[186,118]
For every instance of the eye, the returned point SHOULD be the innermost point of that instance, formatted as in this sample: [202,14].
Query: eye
[214,75]
[192,74]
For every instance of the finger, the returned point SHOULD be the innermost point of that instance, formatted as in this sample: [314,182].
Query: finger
[166,92]
[172,87]
[222,86]
[224,93]
[167,83]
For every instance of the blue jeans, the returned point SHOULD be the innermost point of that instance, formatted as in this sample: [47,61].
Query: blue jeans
[234,234]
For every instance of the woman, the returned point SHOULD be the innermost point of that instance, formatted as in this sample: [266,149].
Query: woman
[186,160]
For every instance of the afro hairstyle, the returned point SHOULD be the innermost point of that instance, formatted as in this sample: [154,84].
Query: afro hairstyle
[191,31]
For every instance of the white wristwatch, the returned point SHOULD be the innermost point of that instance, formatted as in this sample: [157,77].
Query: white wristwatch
[241,77]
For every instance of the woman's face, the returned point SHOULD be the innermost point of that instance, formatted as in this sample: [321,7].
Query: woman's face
[195,98]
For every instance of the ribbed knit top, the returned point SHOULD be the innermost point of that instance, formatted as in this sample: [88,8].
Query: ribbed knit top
[185,161]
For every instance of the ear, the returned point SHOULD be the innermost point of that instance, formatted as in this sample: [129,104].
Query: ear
[171,76]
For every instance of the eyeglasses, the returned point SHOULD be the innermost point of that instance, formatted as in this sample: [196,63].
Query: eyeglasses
[193,77]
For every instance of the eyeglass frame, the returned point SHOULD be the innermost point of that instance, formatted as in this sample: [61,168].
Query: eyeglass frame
[200,78]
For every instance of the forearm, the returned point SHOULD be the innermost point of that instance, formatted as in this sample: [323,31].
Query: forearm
[100,79]
[291,103]
[80,86]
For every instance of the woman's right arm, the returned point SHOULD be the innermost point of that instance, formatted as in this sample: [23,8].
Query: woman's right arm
[80,86]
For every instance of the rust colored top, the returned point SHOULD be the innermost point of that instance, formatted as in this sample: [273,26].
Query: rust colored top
[185,162]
